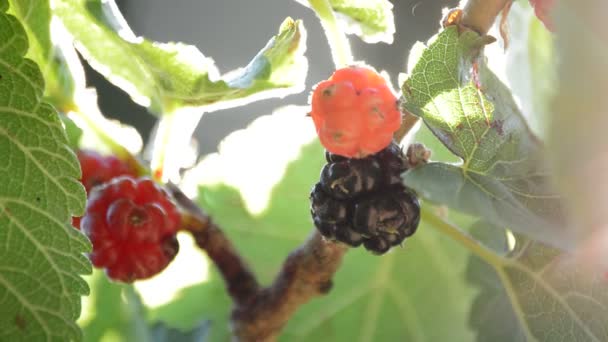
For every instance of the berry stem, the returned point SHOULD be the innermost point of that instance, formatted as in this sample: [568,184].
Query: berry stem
[338,42]
[464,239]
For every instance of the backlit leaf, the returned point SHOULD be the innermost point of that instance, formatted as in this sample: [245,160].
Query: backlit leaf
[41,255]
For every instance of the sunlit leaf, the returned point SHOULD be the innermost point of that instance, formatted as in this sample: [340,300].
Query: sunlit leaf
[35,15]
[503,176]
[41,255]
[371,20]
[164,76]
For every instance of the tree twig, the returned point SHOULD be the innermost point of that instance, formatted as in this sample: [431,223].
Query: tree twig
[306,273]
[480,15]
[241,282]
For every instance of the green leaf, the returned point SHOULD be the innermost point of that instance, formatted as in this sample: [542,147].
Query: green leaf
[503,177]
[492,314]
[537,293]
[407,294]
[166,76]
[41,255]
[115,312]
[371,20]
[112,312]
[35,16]
[72,130]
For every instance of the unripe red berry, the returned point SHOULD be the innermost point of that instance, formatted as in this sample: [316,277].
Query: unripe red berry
[355,112]
[132,224]
[98,169]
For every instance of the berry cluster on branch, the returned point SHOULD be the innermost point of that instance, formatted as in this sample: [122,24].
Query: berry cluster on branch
[360,198]
[362,201]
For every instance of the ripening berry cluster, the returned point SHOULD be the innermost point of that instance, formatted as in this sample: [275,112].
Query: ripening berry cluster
[362,201]
[131,222]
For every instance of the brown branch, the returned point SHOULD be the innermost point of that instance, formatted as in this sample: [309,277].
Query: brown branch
[259,314]
[409,121]
[306,273]
[240,280]
[480,15]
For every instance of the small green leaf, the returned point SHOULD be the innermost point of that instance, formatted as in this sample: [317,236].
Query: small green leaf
[41,255]
[538,293]
[371,20]
[503,177]
[35,15]
[166,76]
[72,130]
[257,189]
